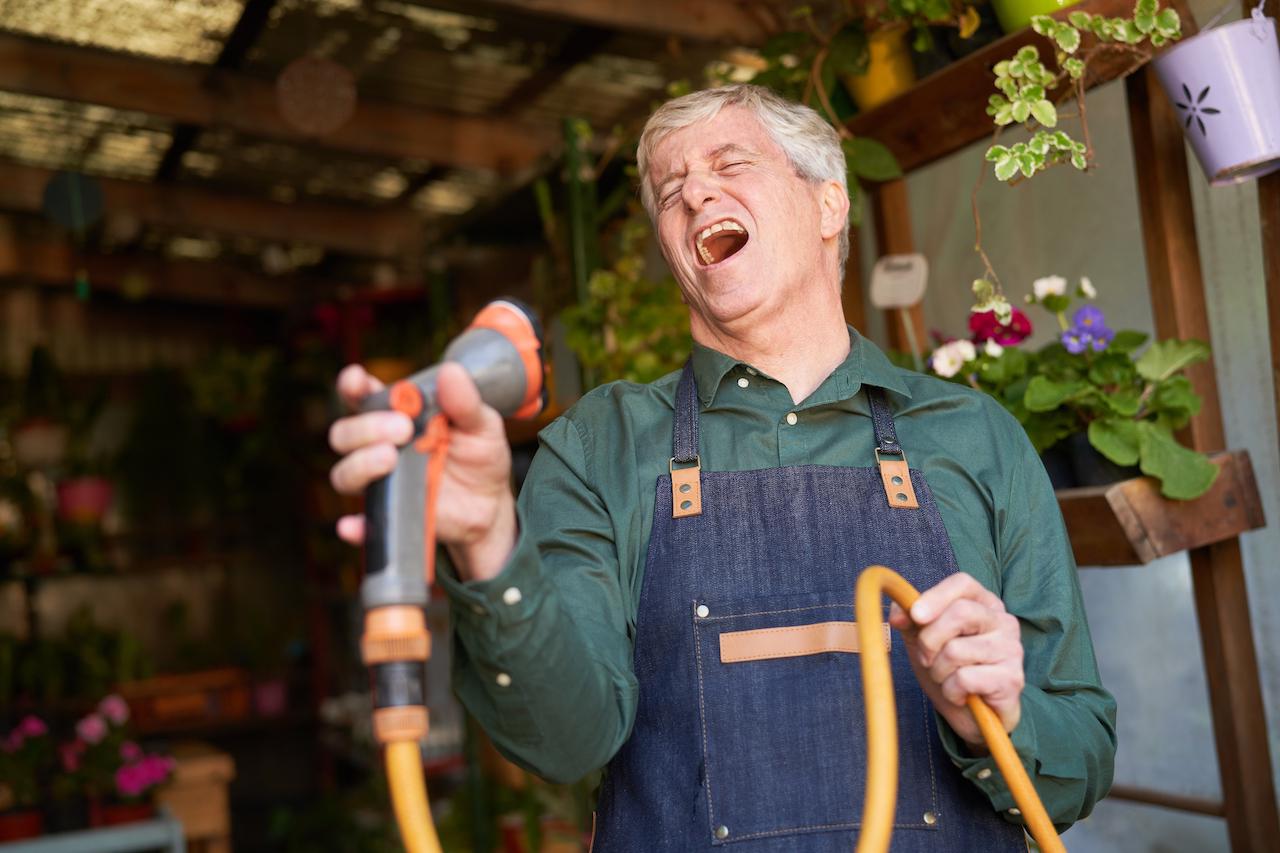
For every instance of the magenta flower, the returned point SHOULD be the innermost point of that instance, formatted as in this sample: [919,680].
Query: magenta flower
[33,726]
[92,729]
[983,327]
[115,709]
[130,751]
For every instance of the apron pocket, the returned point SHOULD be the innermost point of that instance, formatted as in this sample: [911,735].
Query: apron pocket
[783,740]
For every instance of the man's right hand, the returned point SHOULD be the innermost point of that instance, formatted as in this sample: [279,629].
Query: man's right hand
[475,510]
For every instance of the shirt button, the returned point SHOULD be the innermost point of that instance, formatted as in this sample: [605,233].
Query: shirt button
[930,818]
[984,773]
[742,382]
[503,680]
[511,595]
[791,418]
[1015,811]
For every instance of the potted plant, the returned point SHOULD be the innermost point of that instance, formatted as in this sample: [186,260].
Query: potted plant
[26,757]
[1091,382]
[1231,119]
[116,774]
[1016,14]
[85,492]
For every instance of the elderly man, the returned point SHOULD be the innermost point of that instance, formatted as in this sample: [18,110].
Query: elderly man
[693,635]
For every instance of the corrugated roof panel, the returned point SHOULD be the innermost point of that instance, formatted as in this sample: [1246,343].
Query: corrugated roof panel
[67,135]
[187,30]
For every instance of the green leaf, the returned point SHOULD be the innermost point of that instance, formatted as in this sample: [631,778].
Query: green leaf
[1045,112]
[1175,396]
[1132,35]
[996,152]
[1029,163]
[784,43]
[1079,161]
[1146,7]
[1079,20]
[1027,54]
[1165,358]
[1144,23]
[1021,111]
[1127,340]
[1006,167]
[1068,39]
[1112,368]
[1045,395]
[870,159]
[1003,116]
[1074,67]
[1126,402]
[1043,24]
[1183,474]
[1168,23]
[1116,439]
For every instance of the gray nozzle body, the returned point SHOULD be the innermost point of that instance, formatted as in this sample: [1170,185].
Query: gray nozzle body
[394,505]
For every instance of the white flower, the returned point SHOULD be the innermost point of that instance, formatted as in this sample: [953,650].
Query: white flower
[1087,288]
[993,349]
[1053,285]
[949,358]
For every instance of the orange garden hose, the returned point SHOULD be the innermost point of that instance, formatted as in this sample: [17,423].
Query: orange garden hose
[882,725]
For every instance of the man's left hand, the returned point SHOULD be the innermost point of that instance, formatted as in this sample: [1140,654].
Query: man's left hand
[962,641]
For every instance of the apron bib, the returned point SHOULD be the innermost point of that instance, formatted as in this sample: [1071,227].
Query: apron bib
[749,733]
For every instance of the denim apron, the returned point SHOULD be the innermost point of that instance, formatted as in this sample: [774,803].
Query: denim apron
[768,754]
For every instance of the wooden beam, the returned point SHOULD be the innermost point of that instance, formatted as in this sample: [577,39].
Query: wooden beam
[891,210]
[1269,216]
[197,95]
[54,263]
[1217,571]
[722,21]
[360,231]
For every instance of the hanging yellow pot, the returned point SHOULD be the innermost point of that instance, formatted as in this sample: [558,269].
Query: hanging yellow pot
[889,71]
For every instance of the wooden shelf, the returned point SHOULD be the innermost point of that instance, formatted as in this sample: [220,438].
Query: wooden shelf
[946,111]
[1129,523]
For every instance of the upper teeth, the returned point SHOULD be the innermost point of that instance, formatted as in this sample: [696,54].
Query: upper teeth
[727,225]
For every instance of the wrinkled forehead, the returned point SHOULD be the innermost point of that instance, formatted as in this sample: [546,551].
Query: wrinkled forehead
[732,130]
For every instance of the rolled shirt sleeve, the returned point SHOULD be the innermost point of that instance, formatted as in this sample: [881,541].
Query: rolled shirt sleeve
[1066,736]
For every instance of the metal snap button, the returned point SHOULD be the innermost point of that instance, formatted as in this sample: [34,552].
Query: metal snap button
[930,818]
[791,418]
[503,680]
[703,611]
[984,773]
[1015,811]
[511,595]
[742,382]
[722,832]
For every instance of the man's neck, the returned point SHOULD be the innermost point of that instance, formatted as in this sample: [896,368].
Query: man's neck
[799,349]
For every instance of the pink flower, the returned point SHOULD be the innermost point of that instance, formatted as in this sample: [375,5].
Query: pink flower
[92,729]
[984,326]
[131,780]
[70,753]
[33,726]
[130,751]
[115,709]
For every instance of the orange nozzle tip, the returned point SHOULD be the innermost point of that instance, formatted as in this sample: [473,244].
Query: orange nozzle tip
[512,322]
[406,397]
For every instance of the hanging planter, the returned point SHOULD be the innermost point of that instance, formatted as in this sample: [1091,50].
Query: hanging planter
[1014,15]
[1225,86]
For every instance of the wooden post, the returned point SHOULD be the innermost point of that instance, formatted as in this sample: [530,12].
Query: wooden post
[855,312]
[892,211]
[1221,597]
[1269,216]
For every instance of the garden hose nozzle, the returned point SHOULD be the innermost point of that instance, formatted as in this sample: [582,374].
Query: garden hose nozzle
[502,352]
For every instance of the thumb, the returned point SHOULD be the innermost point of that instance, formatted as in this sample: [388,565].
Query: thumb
[460,400]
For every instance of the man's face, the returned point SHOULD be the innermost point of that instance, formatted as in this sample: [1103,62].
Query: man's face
[741,231]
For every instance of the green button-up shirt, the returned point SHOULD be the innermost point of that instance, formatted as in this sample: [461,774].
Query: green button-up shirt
[543,652]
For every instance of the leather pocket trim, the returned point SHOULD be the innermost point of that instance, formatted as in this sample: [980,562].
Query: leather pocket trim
[790,642]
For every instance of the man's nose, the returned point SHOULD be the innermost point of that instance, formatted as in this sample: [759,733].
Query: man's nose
[699,191]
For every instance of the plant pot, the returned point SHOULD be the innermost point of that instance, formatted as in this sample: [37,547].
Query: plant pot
[1091,468]
[889,70]
[1017,14]
[1057,464]
[18,825]
[102,813]
[85,500]
[1225,86]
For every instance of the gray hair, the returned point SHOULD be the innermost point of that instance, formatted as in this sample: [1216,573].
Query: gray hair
[811,144]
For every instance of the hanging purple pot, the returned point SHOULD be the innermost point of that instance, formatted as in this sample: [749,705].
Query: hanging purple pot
[1225,85]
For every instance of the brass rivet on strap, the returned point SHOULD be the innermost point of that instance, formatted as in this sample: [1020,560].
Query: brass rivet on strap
[686,489]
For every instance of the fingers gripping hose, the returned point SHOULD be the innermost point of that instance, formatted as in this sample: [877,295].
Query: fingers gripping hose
[882,725]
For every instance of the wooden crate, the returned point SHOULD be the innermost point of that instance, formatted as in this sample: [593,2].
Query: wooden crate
[174,702]
[197,795]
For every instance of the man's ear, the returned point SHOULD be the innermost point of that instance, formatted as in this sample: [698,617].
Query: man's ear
[835,209]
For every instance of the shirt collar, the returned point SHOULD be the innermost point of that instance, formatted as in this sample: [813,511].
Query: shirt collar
[866,364]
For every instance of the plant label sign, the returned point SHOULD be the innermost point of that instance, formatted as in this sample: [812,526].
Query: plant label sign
[898,281]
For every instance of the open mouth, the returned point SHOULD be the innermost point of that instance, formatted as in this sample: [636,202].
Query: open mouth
[719,242]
